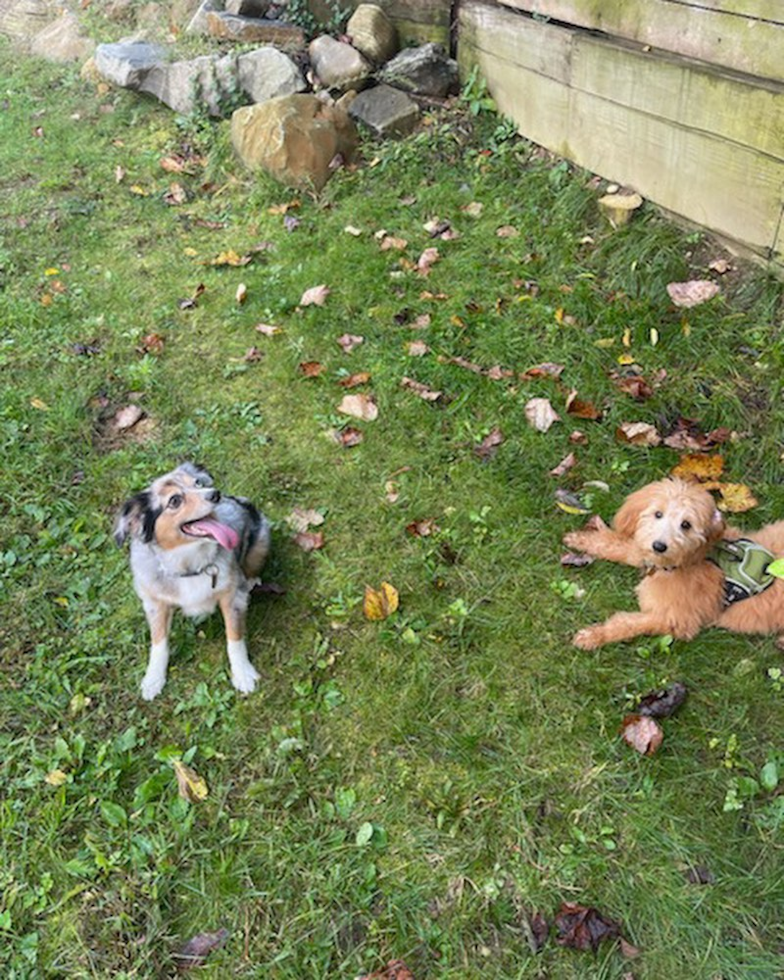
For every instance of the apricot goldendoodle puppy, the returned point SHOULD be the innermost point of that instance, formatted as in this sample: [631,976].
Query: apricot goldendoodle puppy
[697,571]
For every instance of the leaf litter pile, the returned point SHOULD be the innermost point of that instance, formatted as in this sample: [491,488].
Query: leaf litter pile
[457,373]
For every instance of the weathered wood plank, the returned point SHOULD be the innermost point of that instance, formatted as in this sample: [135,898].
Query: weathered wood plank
[699,29]
[656,143]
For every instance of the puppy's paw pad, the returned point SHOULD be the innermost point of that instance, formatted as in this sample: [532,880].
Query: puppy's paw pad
[152,685]
[587,639]
[245,678]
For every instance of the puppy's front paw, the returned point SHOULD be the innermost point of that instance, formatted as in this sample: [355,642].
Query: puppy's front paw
[152,685]
[589,638]
[244,677]
[577,540]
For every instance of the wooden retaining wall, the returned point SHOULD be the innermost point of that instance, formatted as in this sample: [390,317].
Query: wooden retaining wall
[684,102]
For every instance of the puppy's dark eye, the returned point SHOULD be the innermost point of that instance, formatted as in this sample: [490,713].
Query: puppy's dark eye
[200,483]
[175,501]
[658,514]
[686,525]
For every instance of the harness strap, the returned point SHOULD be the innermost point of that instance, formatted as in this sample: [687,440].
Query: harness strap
[745,567]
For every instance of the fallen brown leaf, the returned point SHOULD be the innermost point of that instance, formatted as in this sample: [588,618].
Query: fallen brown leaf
[583,928]
[196,950]
[389,242]
[151,343]
[417,348]
[267,329]
[378,604]
[252,355]
[420,389]
[359,406]
[311,369]
[541,414]
[300,519]
[126,418]
[241,294]
[638,434]
[427,260]
[353,380]
[735,498]
[642,733]
[192,787]
[315,296]
[422,528]
[564,466]
[348,341]
[488,447]
[395,970]
[348,437]
[664,702]
[546,370]
[309,540]
[692,293]
[581,409]
[687,435]
[695,466]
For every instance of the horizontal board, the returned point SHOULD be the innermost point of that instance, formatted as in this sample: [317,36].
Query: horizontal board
[585,103]
[717,31]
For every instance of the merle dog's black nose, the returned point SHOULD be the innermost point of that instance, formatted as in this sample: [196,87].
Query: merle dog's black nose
[659,546]
[214,496]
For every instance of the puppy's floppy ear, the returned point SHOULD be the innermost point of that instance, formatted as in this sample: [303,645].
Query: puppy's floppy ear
[625,521]
[717,525]
[136,517]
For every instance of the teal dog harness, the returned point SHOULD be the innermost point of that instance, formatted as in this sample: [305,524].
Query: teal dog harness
[745,566]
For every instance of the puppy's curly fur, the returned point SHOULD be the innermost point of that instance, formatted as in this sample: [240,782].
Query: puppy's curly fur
[667,529]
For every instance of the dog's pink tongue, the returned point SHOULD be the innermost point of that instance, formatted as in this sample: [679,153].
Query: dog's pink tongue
[226,536]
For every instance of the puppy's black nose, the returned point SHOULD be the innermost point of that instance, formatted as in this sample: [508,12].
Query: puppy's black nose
[214,496]
[659,546]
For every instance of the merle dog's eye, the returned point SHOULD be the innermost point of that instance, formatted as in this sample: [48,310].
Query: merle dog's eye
[200,483]
[175,501]
[658,514]
[686,525]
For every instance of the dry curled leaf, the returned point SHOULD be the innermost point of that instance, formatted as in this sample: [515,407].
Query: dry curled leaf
[664,702]
[267,329]
[192,787]
[151,343]
[315,296]
[196,950]
[583,928]
[546,370]
[507,231]
[638,434]
[642,733]
[126,418]
[422,528]
[427,260]
[300,519]
[420,389]
[378,604]
[541,414]
[417,348]
[348,341]
[687,435]
[564,466]
[692,293]
[389,242]
[309,540]
[394,970]
[348,437]
[359,406]
[229,257]
[241,294]
[354,380]
[311,369]
[488,447]
[581,409]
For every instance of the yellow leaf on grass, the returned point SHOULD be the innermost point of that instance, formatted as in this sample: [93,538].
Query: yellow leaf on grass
[382,603]
[56,777]
[190,784]
[695,466]
[735,497]
[52,272]
[39,404]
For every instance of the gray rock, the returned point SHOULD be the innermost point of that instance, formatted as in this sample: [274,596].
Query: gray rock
[338,66]
[294,139]
[127,63]
[23,19]
[62,40]
[385,110]
[426,70]
[372,33]
[206,82]
[268,73]
[198,23]
[247,8]
[229,27]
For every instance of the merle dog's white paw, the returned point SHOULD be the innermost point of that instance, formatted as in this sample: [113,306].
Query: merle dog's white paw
[244,677]
[152,685]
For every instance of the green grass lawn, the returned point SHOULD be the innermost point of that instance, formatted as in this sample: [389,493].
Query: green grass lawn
[414,788]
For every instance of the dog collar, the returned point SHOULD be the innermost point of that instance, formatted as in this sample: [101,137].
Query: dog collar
[745,567]
[211,570]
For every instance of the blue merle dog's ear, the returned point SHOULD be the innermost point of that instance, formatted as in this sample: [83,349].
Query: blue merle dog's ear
[197,472]
[137,518]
